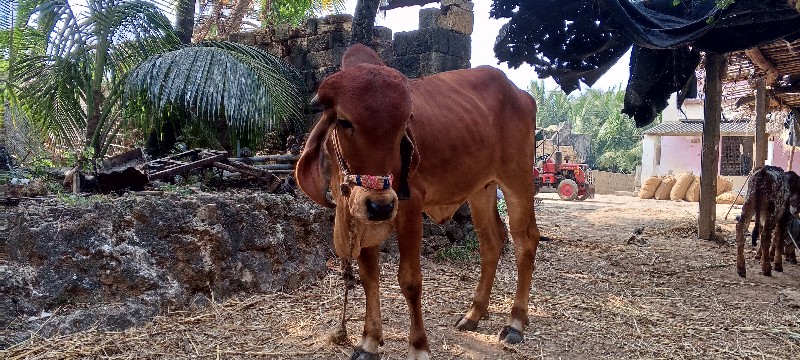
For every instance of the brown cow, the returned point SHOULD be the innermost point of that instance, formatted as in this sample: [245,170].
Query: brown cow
[433,143]
[773,196]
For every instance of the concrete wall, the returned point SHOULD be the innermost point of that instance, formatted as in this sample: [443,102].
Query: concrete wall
[608,182]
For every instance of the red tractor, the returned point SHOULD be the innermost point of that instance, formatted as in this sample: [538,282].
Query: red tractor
[572,181]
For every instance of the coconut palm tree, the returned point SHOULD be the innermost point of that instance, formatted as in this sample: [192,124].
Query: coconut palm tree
[73,89]
[94,53]
[251,89]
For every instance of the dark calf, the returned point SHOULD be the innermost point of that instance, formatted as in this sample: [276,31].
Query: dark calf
[771,194]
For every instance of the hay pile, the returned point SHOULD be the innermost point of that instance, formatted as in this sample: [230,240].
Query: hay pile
[595,295]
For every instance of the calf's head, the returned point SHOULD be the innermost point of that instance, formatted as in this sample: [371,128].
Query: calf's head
[364,132]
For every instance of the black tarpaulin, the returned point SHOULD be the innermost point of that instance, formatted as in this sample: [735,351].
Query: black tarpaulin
[576,41]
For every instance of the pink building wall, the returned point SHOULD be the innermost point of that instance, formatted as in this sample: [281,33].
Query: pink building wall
[680,153]
[780,157]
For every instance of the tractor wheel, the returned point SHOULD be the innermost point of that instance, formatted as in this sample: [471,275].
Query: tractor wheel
[583,193]
[567,190]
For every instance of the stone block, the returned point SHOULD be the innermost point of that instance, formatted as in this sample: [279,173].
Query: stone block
[463,4]
[311,26]
[428,18]
[341,22]
[459,45]
[322,73]
[436,62]
[456,19]
[328,41]
[408,65]
[281,33]
[381,34]
[298,45]
[274,49]
[422,41]
[247,38]
[328,58]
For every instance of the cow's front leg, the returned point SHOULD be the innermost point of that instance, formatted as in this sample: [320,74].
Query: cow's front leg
[741,229]
[369,270]
[409,276]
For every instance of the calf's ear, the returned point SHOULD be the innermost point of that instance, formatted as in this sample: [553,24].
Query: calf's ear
[309,172]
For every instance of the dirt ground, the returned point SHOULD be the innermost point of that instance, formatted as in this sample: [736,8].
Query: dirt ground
[598,293]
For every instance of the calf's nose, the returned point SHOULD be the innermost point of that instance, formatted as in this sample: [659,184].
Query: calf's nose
[377,211]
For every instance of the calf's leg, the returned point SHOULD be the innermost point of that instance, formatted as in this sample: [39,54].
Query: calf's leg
[491,233]
[766,242]
[741,231]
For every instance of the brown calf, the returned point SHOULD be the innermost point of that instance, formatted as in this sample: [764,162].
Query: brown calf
[773,196]
[403,147]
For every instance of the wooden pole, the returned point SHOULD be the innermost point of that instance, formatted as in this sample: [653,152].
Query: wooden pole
[795,135]
[709,162]
[761,123]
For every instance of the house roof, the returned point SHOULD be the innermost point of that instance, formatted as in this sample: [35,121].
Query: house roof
[695,127]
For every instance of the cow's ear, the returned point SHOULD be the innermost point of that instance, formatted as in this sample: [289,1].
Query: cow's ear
[309,172]
[409,160]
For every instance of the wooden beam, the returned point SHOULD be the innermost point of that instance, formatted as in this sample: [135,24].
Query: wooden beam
[709,161]
[758,58]
[761,123]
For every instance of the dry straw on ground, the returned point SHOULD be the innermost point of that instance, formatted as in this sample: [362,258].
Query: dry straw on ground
[600,292]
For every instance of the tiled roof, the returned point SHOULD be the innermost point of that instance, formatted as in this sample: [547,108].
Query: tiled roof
[695,127]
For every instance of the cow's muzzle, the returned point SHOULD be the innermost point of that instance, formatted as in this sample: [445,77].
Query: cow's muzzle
[379,211]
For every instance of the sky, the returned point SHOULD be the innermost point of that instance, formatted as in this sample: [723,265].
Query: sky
[483,36]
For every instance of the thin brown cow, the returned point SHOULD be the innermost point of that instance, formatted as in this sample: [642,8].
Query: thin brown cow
[400,147]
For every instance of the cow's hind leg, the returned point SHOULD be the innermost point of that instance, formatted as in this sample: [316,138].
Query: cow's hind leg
[369,271]
[525,234]
[766,243]
[491,233]
[779,243]
[741,229]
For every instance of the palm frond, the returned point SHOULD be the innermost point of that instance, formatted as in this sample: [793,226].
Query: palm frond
[252,89]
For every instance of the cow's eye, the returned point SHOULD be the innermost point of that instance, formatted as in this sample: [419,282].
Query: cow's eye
[345,124]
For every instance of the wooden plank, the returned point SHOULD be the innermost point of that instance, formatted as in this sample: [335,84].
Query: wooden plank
[282,157]
[709,162]
[187,167]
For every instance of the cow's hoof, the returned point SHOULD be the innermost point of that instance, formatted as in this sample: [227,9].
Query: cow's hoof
[742,273]
[779,268]
[360,354]
[767,273]
[792,261]
[511,335]
[465,324]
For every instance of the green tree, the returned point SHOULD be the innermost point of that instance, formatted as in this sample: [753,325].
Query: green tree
[73,89]
[554,106]
[252,90]
[616,141]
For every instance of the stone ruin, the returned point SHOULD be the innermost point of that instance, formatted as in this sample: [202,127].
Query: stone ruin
[441,43]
